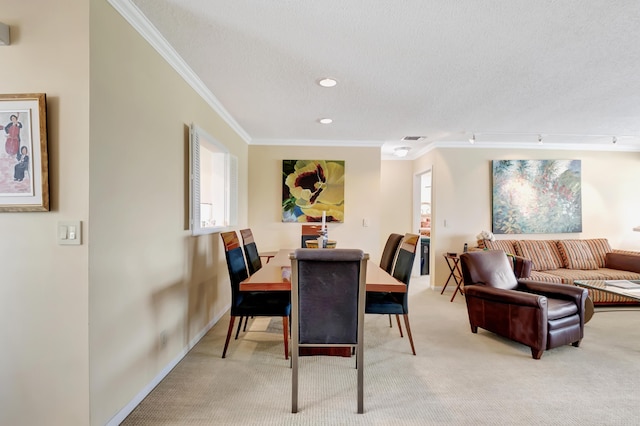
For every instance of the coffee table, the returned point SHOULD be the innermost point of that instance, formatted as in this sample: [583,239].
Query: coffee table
[625,288]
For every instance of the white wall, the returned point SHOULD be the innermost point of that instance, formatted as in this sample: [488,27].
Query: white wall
[44,363]
[462,197]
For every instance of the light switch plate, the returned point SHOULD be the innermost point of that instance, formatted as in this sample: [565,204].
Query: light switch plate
[69,233]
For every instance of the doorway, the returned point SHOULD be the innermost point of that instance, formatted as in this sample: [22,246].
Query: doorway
[423,214]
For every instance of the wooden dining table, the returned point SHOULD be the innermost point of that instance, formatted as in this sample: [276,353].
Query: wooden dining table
[276,276]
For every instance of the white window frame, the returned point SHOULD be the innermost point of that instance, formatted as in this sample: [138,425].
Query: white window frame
[227,181]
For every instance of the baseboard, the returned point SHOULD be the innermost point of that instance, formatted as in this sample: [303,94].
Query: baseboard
[127,409]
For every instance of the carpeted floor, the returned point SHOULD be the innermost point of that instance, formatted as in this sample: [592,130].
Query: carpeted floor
[457,377]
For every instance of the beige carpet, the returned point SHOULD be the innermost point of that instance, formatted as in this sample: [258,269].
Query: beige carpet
[457,377]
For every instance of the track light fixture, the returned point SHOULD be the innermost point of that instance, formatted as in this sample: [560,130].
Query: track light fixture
[540,139]
[614,140]
[472,139]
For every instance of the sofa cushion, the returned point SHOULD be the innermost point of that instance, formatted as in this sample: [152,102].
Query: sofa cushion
[599,247]
[576,254]
[544,254]
[545,277]
[506,246]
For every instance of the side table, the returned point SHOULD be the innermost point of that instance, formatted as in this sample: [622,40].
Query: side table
[453,262]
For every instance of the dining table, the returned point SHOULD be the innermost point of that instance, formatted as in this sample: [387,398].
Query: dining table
[276,276]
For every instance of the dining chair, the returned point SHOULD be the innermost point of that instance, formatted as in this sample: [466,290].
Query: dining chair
[397,303]
[309,232]
[389,255]
[254,258]
[251,304]
[389,252]
[327,295]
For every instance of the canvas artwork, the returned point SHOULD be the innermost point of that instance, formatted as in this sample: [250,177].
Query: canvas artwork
[537,196]
[311,188]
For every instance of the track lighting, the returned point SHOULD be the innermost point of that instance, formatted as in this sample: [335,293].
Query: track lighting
[472,139]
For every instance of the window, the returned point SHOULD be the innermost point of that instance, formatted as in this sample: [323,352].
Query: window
[213,184]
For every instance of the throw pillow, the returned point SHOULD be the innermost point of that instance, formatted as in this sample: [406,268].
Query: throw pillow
[504,245]
[599,248]
[544,254]
[576,254]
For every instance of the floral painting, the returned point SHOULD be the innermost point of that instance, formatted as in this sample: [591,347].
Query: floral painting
[537,196]
[311,188]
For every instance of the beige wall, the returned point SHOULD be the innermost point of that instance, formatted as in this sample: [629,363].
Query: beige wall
[462,197]
[362,200]
[149,278]
[396,195]
[44,371]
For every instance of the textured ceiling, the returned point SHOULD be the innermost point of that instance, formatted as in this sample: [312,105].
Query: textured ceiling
[508,71]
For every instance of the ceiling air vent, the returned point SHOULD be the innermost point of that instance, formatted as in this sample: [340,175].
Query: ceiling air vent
[413,138]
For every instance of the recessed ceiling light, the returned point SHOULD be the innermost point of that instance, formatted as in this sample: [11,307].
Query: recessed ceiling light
[327,82]
[325,121]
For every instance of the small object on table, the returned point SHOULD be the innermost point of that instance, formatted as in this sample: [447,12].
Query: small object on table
[453,262]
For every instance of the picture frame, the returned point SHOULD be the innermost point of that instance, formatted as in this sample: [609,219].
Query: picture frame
[24,164]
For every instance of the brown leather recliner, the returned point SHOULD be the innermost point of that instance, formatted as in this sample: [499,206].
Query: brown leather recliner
[537,314]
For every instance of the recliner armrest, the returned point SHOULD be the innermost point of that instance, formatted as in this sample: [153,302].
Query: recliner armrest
[505,296]
[552,290]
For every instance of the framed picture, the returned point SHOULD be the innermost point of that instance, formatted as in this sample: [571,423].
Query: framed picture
[313,190]
[24,166]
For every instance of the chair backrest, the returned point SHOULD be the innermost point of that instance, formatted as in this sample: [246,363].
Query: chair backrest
[309,232]
[327,296]
[390,251]
[404,259]
[254,263]
[235,264]
[489,267]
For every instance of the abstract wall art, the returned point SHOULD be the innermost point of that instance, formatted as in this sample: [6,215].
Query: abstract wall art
[311,188]
[536,196]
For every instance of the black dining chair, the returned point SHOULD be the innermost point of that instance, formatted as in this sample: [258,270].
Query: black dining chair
[389,252]
[389,255]
[309,232]
[254,258]
[327,295]
[251,304]
[397,303]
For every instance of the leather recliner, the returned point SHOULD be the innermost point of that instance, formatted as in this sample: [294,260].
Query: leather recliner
[537,314]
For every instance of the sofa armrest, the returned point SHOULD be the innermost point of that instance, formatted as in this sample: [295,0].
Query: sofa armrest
[505,296]
[555,291]
[623,262]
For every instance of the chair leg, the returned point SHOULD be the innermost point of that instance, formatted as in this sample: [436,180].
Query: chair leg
[226,342]
[399,326]
[474,329]
[285,327]
[406,324]
[576,344]
[390,325]
[246,320]
[294,377]
[239,325]
[536,353]
[360,366]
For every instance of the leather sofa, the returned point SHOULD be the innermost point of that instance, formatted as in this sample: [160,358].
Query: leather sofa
[564,261]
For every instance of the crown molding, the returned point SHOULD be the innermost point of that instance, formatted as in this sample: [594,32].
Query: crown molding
[150,33]
[317,142]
